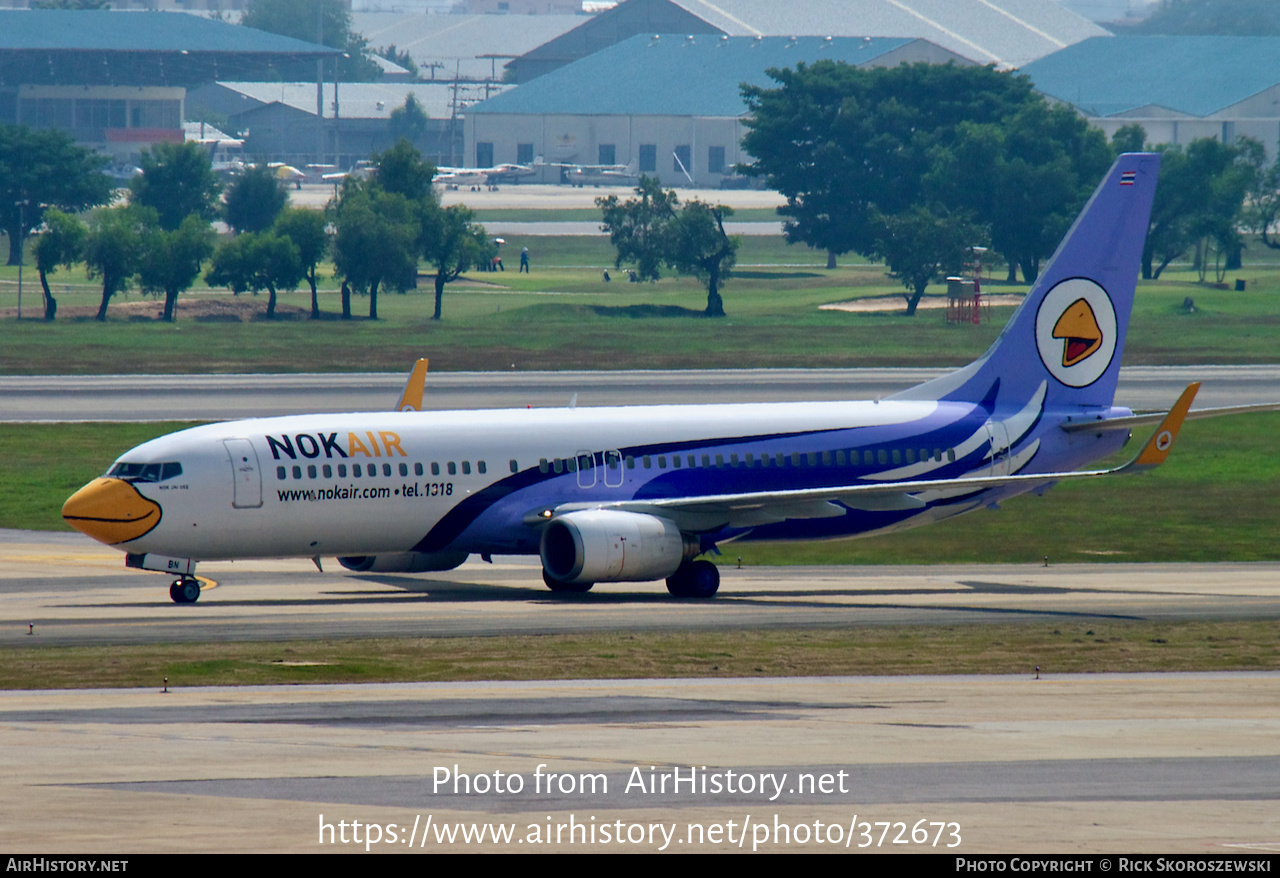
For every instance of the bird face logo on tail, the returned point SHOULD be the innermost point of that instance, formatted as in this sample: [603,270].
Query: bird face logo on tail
[1076,331]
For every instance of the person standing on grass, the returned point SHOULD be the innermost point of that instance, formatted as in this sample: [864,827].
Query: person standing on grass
[524,260]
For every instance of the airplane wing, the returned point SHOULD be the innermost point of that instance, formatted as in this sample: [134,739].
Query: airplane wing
[753,509]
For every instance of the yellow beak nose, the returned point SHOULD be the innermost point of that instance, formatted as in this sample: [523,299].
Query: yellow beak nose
[111,511]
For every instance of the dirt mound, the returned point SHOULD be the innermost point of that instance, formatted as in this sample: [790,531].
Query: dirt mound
[198,308]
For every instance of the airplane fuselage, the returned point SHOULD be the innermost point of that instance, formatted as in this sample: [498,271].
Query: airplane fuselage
[430,482]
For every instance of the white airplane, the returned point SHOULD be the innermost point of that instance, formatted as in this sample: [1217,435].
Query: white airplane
[621,494]
[475,178]
[600,175]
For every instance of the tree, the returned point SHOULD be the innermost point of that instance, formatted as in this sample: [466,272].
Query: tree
[1243,18]
[60,244]
[636,226]
[256,261]
[40,169]
[1129,138]
[1199,198]
[376,240]
[254,200]
[177,180]
[839,141]
[919,244]
[698,245]
[453,243]
[404,59]
[403,171]
[297,19]
[113,247]
[170,260]
[653,230]
[307,230]
[409,121]
[1025,177]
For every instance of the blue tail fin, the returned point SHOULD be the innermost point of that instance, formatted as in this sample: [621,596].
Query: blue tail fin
[1069,332]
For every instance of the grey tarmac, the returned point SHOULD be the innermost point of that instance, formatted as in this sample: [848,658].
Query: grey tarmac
[1129,763]
[218,397]
[1109,763]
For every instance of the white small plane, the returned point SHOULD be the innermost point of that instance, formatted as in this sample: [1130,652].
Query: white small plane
[476,178]
[599,175]
[621,494]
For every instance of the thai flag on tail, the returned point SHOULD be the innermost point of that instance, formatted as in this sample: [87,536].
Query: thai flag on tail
[1127,178]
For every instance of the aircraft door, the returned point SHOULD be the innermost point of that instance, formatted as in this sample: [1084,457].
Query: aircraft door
[586,469]
[245,473]
[613,472]
[998,433]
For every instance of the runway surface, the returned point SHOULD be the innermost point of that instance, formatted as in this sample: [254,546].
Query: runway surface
[1169,763]
[212,397]
[75,591]
[1105,763]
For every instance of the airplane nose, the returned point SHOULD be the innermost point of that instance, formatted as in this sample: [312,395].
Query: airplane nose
[111,511]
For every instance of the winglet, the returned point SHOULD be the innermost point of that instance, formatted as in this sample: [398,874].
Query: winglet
[1158,446]
[411,399]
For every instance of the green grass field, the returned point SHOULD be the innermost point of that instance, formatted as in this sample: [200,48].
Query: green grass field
[564,316]
[1070,647]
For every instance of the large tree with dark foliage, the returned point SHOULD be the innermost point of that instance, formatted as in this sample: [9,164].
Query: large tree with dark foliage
[41,169]
[1025,177]
[60,244]
[177,180]
[1199,201]
[654,229]
[169,262]
[840,142]
[254,200]
[257,261]
[1236,18]
[376,239]
[113,248]
[307,229]
[298,19]
[453,242]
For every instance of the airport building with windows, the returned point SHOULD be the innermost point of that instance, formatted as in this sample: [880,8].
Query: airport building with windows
[117,81]
[1178,88]
[668,106]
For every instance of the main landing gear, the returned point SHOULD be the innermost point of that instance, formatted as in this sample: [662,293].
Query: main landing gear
[185,590]
[695,579]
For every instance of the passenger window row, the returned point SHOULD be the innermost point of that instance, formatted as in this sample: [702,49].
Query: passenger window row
[372,470]
[895,456]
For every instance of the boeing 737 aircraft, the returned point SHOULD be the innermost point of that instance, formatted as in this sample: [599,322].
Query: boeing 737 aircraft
[624,494]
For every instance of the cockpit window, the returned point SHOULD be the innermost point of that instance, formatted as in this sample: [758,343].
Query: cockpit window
[146,472]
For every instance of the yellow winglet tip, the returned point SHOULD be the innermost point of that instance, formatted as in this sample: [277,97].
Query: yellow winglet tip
[1160,444]
[411,399]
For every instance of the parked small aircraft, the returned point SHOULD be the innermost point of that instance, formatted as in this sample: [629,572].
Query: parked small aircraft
[476,178]
[599,175]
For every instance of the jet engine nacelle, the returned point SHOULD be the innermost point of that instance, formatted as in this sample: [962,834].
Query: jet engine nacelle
[601,545]
[403,562]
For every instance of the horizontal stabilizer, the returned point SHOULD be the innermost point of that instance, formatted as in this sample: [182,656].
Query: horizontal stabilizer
[1104,425]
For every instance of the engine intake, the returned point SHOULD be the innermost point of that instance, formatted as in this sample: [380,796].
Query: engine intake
[601,545]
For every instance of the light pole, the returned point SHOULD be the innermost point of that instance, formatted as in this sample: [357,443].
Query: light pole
[22,233]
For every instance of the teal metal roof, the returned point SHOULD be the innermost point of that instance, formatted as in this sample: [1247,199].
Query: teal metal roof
[61,30]
[676,75]
[1193,75]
